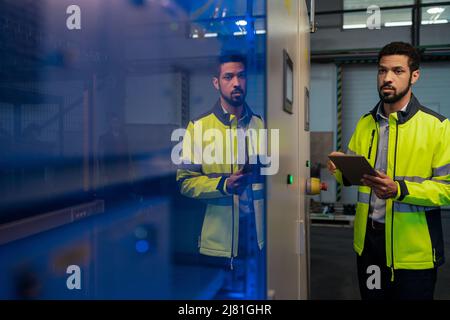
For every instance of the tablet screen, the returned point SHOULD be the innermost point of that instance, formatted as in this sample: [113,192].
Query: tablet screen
[353,167]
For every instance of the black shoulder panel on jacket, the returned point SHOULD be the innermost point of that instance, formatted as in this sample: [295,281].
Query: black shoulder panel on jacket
[435,114]
[203,115]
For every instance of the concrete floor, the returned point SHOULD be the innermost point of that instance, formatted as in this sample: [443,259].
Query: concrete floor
[333,264]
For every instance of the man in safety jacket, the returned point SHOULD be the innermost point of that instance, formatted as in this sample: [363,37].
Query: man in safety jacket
[224,178]
[397,227]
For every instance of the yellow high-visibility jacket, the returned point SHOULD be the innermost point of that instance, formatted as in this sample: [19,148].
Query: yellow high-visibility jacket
[419,161]
[207,181]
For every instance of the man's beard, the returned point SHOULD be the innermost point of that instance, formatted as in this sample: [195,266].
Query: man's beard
[396,96]
[237,101]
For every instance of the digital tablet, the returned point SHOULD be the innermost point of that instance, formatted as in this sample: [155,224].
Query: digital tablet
[353,167]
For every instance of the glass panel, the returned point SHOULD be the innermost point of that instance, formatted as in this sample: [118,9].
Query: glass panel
[434,27]
[431,1]
[92,96]
[435,15]
[363,4]
[389,18]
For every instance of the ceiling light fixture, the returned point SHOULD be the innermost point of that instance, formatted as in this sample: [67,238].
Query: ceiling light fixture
[241,23]
[435,10]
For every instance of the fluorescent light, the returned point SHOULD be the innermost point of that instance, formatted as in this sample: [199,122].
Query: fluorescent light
[435,10]
[210,35]
[435,21]
[354,26]
[237,33]
[241,23]
[398,24]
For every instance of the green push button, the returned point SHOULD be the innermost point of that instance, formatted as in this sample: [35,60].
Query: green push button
[290,179]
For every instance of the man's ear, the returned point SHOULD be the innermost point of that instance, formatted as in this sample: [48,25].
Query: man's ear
[215,81]
[415,76]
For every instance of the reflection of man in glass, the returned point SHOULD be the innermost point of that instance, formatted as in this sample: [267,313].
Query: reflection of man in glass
[232,188]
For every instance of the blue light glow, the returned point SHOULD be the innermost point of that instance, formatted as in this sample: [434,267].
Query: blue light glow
[142,246]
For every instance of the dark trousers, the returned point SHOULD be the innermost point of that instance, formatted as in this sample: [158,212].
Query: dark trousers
[407,284]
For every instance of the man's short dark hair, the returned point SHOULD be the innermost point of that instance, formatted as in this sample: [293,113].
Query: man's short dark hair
[230,57]
[404,49]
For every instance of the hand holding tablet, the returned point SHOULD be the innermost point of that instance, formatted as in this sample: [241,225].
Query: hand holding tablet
[353,167]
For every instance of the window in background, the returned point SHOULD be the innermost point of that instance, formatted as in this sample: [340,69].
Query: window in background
[435,15]
[363,4]
[389,18]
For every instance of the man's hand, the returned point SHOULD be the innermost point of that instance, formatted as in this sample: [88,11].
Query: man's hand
[383,186]
[237,182]
[330,165]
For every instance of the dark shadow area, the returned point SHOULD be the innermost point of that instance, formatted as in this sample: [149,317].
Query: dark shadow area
[333,264]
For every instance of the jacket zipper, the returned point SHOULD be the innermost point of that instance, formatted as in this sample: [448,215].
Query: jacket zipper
[232,202]
[376,157]
[392,216]
[371,143]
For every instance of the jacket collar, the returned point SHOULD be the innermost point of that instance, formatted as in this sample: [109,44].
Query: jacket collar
[225,118]
[403,116]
